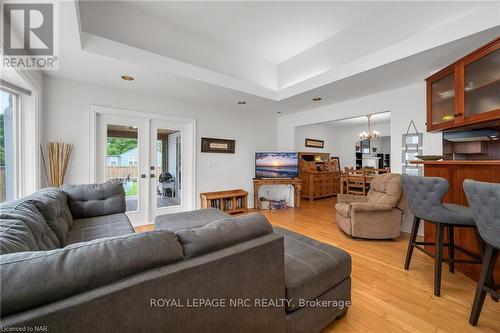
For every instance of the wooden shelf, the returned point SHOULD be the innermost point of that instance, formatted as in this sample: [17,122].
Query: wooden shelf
[231,201]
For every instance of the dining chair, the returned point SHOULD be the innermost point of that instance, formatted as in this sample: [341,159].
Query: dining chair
[355,181]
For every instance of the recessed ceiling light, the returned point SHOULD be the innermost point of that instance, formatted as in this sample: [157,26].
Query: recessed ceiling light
[127,77]
[242,102]
[317,99]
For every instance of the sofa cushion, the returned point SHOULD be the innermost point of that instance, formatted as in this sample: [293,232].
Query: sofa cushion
[223,233]
[311,267]
[15,236]
[188,220]
[52,203]
[91,228]
[89,200]
[32,279]
[386,189]
[24,212]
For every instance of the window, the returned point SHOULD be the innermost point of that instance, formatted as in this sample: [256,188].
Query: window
[20,165]
[132,160]
[113,160]
[7,186]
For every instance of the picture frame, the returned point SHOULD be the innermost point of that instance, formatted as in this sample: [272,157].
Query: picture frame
[337,159]
[409,155]
[314,143]
[213,145]
[412,140]
[412,170]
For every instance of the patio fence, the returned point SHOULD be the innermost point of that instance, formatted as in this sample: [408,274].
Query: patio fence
[122,172]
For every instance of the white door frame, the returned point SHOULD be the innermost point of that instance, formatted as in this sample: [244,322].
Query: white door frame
[188,149]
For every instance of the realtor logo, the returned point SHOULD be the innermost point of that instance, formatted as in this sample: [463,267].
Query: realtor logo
[28,35]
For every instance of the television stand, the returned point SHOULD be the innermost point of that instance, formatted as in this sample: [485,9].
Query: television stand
[258,182]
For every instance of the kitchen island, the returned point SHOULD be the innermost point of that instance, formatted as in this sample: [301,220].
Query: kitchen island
[456,172]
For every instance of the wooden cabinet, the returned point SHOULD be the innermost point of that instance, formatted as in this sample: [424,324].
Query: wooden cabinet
[320,184]
[467,91]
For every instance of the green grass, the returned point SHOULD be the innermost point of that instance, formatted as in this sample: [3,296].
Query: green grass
[134,189]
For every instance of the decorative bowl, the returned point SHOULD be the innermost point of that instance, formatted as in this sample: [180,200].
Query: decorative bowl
[429,157]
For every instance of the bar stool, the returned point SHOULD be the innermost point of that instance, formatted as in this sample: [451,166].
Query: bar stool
[424,196]
[484,201]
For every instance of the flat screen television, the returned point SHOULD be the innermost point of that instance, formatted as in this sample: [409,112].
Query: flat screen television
[276,165]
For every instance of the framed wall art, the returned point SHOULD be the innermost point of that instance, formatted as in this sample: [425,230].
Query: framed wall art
[314,143]
[211,145]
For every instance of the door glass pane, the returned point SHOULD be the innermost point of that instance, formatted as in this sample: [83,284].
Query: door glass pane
[482,85]
[443,100]
[6,146]
[122,161]
[168,174]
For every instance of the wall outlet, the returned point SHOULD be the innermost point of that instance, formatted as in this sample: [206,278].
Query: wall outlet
[212,164]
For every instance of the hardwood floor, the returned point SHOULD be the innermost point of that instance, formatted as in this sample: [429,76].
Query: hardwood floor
[385,297]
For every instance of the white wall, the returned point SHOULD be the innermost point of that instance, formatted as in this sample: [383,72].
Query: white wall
[319,132]
[65,117]
[405,104]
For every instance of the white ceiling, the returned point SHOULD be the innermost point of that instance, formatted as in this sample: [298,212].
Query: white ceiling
[272,31]
[274,55]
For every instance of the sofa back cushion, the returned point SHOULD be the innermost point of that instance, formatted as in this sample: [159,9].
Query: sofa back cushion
[52,204]
[15,236]
[223,233]
[386,189]
[23,228]
[89,200]
[32,279]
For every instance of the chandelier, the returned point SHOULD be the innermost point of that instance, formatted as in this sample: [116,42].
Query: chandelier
[370,134]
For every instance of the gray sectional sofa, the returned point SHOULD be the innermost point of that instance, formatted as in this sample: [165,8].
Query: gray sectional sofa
[71,262]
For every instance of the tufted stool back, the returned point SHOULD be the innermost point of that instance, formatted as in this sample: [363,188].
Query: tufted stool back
[424,195]
[484,201]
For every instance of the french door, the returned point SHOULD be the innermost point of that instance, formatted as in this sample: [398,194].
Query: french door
[154,159]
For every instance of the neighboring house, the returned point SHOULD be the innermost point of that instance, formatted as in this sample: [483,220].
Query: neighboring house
[129,158]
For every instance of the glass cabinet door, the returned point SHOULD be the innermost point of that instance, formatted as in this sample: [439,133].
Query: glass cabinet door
[443,100]
[482,85]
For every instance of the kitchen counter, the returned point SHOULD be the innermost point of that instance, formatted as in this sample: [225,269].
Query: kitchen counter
[456,172]
[459,162]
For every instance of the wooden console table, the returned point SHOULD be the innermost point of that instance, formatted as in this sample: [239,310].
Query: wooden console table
[295,182]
